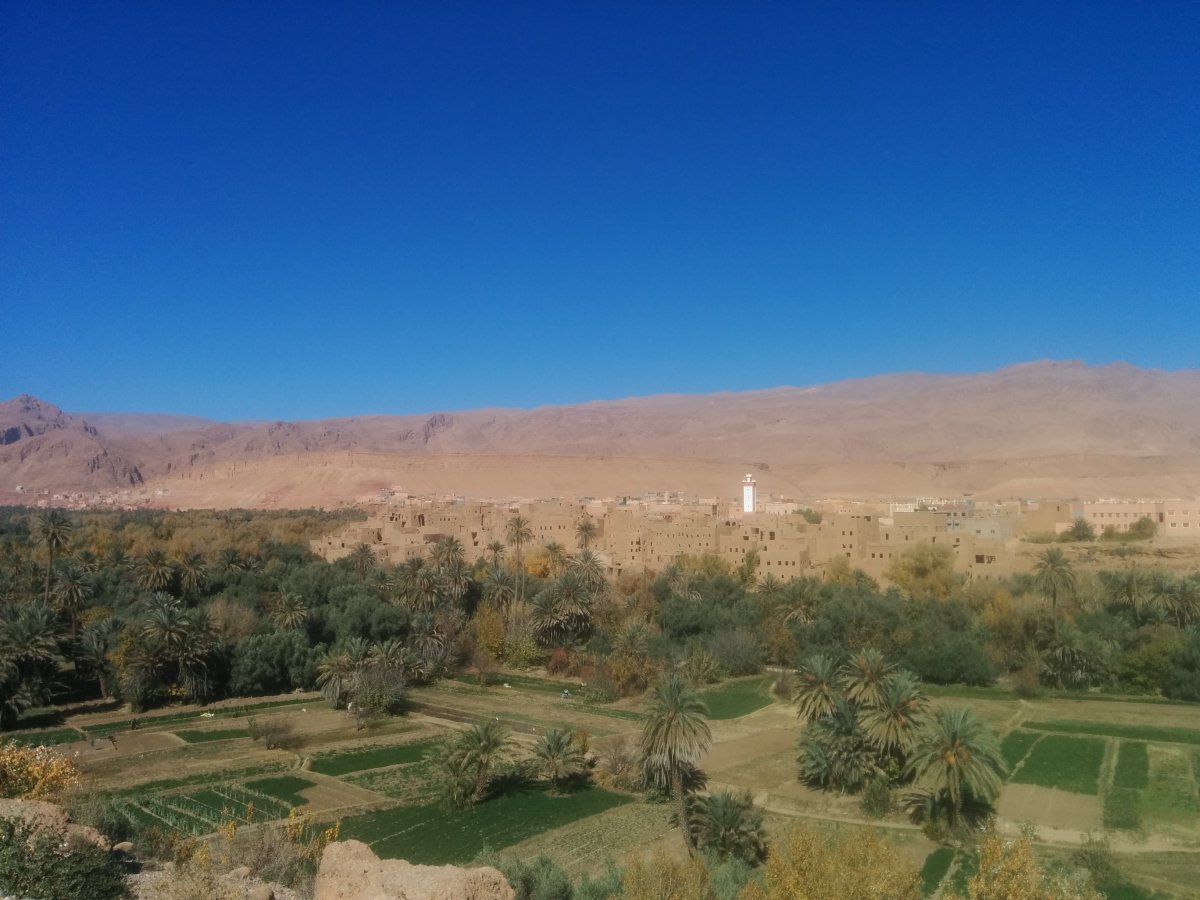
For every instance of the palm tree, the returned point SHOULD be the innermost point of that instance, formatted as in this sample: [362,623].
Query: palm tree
[1183,600]
[288,611]
[232,561]
[559,758]
[494,553]
[335,676]
[864,677]
[456,580]
[590,566]
[480,747]
[585,531]
[73,590]
[730,826]
[518,533]
[956,757]
[562,612]
[424,588]
[94,645]
[1130,589]
[362,560]
[556,553]
[499,586]
[1052,573]
[153,571]
[446,552]
[834,752]
[54,530]
[893,722]
[675,734]
[816,688]
[193,573]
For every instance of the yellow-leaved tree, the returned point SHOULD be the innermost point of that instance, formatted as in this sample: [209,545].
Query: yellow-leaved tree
[35,773]
[857,864]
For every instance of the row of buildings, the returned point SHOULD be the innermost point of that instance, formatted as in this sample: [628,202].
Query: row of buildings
[635,535]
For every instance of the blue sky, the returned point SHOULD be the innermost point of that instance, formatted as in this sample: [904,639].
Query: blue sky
[269,210]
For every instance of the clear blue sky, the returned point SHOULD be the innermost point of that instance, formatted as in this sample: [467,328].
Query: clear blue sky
[295,210]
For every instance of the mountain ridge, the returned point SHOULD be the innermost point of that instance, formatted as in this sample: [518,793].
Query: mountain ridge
[1043,411]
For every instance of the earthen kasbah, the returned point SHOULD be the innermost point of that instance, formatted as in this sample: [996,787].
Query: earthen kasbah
[634,535]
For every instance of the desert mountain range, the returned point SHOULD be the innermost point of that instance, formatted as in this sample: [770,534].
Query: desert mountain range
[1047,429]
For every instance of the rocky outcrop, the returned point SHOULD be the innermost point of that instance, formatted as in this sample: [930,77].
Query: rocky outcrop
[40,816]
[351,871]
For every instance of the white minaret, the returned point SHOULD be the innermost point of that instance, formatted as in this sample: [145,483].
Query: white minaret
[749,494]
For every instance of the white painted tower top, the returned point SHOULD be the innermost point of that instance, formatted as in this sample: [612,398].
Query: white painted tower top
[749,493]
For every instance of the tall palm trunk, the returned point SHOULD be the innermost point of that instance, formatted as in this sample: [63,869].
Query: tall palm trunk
[681,799]
[481,780]
[49,570]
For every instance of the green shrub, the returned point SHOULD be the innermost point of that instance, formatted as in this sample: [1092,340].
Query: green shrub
[47,864]
[877,798]
[540,878]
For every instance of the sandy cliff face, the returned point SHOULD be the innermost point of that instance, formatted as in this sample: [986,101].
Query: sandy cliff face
[1043,429]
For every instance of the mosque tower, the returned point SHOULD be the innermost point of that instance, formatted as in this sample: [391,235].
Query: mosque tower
[749,494]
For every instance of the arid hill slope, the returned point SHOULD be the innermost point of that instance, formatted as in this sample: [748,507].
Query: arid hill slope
[1049,429]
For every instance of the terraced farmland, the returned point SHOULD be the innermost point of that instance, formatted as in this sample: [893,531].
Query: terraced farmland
[202,811]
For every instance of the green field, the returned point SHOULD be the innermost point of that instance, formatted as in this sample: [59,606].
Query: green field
[220,734]
[47,738]
[1064,762]
[285,788]
[203,811]
[1160,735]
[1122,809]
[342,763]
[1133,766]
[737,698]
[1016,744]
[431,835]
[937,864]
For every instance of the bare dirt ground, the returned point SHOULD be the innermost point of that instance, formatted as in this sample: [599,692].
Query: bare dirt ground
[1049,808]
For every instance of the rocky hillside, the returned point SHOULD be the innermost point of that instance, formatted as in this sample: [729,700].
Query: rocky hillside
[1057,421]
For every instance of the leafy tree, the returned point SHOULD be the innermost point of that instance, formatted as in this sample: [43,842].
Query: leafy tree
[675,734]
[1006,869]
[729,826]
[804,864]
[559,758]
[1183,675]
[53,530]
[378,690]
[1052,575]
[926,570]
[663,878]
[956,757]
[1081,530]
[1143,529]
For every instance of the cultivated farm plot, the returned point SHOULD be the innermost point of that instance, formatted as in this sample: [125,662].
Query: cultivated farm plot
[344,762]
[430,835]
[1064,762]
[737,698]
[202,811]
